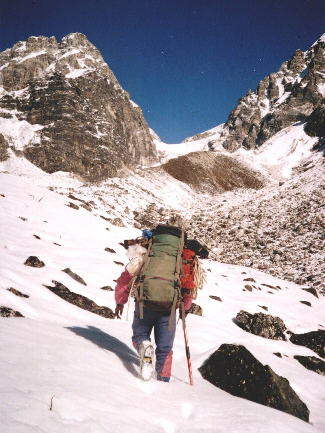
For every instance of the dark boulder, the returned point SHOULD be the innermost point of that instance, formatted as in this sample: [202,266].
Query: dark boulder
[216,298]
[109,288]
[3,149]
[311,290]
[315,125]
[195,309]
[17,292]
[9,312]
[72,205]
[261,324]
[306,303]
[314,340]
[235,370]
[80,300]
[312,363]
[74,276]
[110,250]
[34,262]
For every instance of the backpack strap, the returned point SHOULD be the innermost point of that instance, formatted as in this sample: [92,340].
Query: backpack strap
[177,280]
[139,292]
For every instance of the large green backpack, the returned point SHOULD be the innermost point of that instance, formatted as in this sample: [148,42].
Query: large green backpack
[158,283]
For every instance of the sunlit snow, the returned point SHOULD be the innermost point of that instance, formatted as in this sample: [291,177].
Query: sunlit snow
[67,370]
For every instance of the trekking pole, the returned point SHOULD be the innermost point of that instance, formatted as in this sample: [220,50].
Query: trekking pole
[127,311]
[187,349]
[129,296]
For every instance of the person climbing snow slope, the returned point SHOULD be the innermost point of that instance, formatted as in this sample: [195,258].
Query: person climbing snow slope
[154,277]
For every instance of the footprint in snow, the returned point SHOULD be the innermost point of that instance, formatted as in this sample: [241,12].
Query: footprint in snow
[168,426]
[186,409]
[147,387]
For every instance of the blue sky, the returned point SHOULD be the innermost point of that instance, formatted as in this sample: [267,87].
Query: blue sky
[184,62]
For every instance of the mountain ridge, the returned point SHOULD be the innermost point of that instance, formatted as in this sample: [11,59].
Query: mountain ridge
[280,99]
[86,123]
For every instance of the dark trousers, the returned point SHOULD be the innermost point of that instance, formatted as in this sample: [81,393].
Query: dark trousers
[164,337]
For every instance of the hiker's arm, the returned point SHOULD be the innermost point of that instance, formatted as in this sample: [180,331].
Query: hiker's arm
[122,289]
[119,310]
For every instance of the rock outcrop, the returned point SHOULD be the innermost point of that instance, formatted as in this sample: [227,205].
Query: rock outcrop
[312,363]
[34,262]
[74,276]
[210,172]
[17,292]
[79,117]
[315,126]
[314,340]
[282,98]
[195,309]
[9,312]
[235,370]
[80,300]
[3,149]
[261,324]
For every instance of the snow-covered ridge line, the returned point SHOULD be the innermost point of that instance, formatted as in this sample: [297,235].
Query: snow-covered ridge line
[74,46]
[275,159]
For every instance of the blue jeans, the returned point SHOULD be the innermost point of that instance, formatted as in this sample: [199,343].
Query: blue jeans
[164,337]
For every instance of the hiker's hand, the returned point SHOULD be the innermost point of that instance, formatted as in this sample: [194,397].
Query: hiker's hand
[119,310]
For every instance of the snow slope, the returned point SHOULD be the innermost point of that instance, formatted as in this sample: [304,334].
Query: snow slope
[66,370]
[275,158]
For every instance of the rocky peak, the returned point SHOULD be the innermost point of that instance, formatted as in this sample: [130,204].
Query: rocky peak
[86,123]
[297,62]
[77,40]
[282,98]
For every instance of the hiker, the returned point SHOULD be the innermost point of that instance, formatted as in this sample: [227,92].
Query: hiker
[148,315]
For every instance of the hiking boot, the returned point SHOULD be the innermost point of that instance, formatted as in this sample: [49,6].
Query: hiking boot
[146,353]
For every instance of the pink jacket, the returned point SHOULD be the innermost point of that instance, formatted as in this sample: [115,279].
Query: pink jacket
[122,290]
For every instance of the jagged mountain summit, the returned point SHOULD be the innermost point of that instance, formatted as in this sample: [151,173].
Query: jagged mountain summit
[68,110]
[295,93]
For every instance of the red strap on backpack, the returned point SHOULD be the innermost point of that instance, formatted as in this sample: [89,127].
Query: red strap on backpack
[187,277]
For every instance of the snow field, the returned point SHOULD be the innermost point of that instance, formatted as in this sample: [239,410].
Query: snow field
[86,364]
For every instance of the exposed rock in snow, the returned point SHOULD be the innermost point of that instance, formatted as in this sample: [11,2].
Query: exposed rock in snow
[75,276]
[315,125]
[196,309]
[235,370]
[34,262]
[314,340]
[80,300]
[312,363]
[3,148]
[261,324]
[210,172]
[9,312]
[17,293]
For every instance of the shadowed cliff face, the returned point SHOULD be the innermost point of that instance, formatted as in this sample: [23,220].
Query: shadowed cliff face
[90,126]
[212,172]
